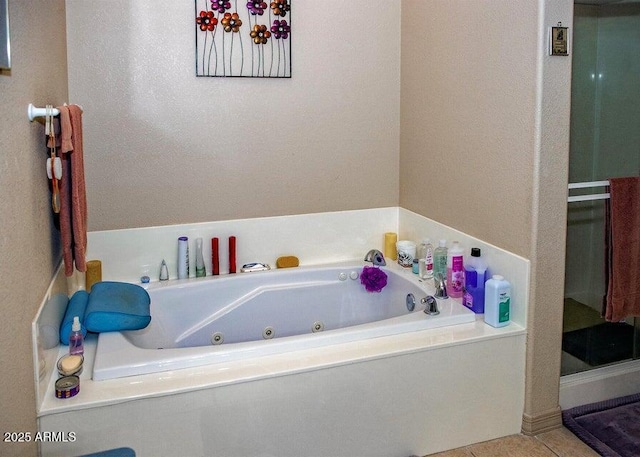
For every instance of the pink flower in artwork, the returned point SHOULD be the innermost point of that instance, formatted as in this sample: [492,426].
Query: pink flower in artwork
[256,7]
[280,29]
[221,6]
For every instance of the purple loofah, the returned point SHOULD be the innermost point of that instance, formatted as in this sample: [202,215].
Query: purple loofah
[373,279]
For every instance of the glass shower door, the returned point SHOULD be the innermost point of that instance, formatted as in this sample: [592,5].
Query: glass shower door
[605,143]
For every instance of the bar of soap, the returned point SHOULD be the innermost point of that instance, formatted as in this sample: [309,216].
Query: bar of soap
[70,363]
[287,261]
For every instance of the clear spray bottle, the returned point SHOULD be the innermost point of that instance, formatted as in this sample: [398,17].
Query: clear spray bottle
[440,260]
[76,340]
[201,270]
[425,258]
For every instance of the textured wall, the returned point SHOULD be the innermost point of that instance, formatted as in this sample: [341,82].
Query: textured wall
[484,149]
[28,246]
[468,116]
[548,228]
[164,147]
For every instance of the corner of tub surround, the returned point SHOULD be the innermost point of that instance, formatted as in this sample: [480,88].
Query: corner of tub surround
[45,332]
[315,238]
[514,268]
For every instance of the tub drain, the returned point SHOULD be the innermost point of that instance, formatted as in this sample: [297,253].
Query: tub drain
[217,338]
[317,327]
[268,333]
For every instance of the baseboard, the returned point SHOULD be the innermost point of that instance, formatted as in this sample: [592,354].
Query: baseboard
[541,423]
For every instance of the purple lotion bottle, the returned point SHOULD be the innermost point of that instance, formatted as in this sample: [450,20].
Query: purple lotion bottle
[76,340]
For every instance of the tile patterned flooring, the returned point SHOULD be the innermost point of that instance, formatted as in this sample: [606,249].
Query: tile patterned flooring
[556,443]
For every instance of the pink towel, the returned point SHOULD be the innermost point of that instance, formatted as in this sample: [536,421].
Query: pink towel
[73,200]
[622,249]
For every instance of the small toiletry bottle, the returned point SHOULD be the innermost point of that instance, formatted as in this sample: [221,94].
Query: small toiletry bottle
[425,252]
[183,257]
[76,340]
[164,271]
[440,259]
[497,301]
[475,276]
[455,271]
[201,270]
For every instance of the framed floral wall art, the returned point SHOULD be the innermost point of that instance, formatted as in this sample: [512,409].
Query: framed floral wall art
[243,38]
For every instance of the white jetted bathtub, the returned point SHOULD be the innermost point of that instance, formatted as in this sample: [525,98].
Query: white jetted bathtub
[225,318]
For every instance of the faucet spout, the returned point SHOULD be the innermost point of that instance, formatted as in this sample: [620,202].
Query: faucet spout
[431,305]
[441,288]
[374,256]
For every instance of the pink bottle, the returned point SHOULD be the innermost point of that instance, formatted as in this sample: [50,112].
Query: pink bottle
[455,271]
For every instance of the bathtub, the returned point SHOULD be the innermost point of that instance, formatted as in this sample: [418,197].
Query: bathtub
[220,319]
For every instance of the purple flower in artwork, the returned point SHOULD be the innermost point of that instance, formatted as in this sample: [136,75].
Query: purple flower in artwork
[280,29]
[373,279]
[256,7]
[220,5]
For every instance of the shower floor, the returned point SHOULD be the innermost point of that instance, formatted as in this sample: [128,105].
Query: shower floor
[589,341]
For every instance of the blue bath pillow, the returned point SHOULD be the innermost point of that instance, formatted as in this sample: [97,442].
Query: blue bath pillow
[76,307]
[117,306]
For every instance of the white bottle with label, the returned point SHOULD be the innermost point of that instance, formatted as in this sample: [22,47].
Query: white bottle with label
[425,255]
[497,301]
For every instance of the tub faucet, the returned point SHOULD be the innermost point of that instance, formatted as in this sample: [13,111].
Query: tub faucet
[431,305]
[441,288]
[374,256]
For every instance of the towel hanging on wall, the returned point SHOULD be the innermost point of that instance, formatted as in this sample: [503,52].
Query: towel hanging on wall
[73,200]
[622,249]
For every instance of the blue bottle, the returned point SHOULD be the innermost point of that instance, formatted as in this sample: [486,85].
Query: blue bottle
[475,278]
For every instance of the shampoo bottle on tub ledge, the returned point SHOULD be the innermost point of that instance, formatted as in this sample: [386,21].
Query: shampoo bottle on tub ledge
[455,271]
[425,254]
[440,259]
[497,301]
[475,275]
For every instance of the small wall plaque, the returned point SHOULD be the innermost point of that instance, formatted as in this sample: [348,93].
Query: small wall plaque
[5,46]
[559,41]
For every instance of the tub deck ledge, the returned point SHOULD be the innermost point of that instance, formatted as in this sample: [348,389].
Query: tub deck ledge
[115,391]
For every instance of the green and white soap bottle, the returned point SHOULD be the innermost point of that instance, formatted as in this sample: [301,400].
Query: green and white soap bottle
[497,301]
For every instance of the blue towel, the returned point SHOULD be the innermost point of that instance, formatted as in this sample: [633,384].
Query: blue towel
[120,452]
[76,307]
[116,306]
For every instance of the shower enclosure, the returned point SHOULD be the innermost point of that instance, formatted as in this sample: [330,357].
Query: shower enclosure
[605,143]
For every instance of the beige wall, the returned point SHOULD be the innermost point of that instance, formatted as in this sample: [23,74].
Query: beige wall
[164,147]
[468,116]
[28,242]
[484,148]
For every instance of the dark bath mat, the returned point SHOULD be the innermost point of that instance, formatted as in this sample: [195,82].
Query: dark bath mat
[604,343]
[611,427]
